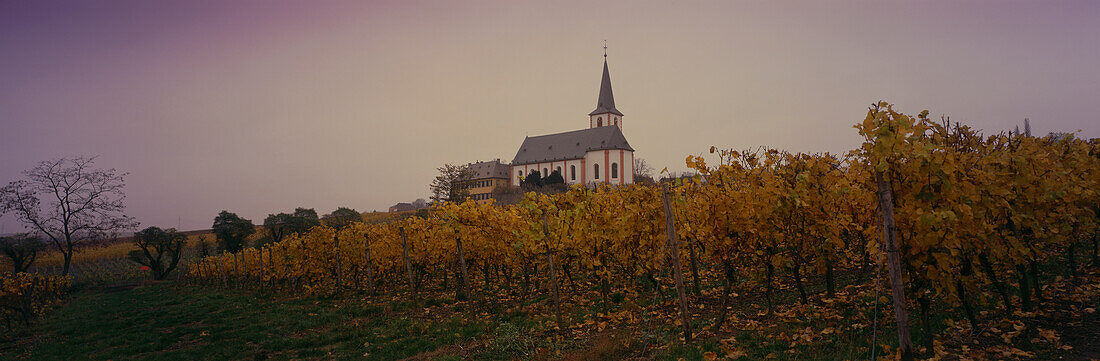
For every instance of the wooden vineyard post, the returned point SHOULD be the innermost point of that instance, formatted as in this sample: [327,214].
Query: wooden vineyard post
[336,251]
[369,265]
[694,267]
[286,268]
[236,272]
[260,254]
[201,268]
[271,261]
[244,268]
[408,266]
[674,252]
[893,262]
[553,275]
[291,282]
[462,263]
[221,266]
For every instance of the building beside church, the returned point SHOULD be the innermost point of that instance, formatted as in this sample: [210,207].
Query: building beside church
[487,176]
[598,154]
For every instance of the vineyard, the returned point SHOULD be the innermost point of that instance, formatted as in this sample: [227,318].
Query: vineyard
[105,265]
[24,296]
[980,229]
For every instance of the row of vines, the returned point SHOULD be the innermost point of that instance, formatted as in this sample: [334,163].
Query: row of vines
[976,217]
[24,296]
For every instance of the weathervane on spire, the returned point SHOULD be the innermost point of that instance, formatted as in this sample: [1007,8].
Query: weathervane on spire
[605,48]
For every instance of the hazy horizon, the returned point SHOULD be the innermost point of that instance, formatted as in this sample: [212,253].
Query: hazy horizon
[261,107]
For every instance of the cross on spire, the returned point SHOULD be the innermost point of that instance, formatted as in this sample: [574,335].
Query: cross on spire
[605,48]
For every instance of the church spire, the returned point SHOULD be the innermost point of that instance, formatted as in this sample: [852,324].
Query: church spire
[606,102]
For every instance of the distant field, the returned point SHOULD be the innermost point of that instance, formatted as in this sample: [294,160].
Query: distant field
[106,263]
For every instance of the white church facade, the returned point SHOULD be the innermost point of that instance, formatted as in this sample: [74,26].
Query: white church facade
[599,154]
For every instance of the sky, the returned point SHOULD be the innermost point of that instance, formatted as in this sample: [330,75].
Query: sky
[258,107]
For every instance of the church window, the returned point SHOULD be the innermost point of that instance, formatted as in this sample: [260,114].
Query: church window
[596,171]
[572,172]
[558,169]
[544,172]
[614,170]
[599,122]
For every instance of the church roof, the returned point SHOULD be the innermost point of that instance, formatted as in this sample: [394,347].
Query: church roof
[570,145]
[490,169]
[606,103]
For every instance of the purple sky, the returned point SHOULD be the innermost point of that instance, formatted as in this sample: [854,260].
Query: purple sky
[261,106]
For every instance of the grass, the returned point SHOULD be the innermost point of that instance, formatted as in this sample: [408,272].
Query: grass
[168,323]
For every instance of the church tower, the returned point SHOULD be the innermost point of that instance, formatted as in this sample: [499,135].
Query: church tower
[605,113]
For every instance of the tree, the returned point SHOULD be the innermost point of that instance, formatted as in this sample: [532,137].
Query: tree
[553,183]
[84,203]
[159,249]
[451,183]
[342,217]
[643,173]
[305,218]
[204,246]
[22,249]
[554,178]
[275,224]
[533,180]
[231,231]
[282,224]
[420,203]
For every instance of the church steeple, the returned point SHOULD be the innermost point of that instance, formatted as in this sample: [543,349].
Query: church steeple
[605,113]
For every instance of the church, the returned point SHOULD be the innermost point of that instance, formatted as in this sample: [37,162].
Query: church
[598,154]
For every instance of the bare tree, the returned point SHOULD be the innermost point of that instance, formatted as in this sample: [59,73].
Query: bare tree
[204,246]
[643,173]
[82,203]
[452,183]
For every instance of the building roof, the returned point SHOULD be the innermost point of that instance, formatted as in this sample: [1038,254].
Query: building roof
[570,145]
[401,207]
[490,169]
[606,103]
